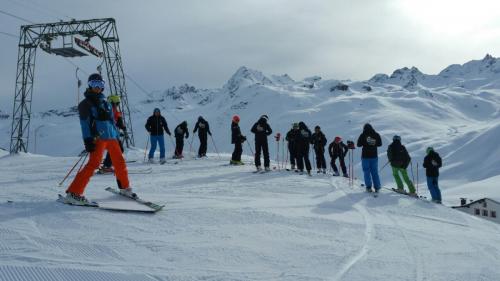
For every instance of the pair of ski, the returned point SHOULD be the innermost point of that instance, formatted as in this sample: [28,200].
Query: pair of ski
[148,207]
[148,170]
[402,191]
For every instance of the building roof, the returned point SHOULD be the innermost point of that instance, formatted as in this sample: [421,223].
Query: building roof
[474,202]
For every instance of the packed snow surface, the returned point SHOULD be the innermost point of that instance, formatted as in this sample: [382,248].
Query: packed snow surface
[224,222]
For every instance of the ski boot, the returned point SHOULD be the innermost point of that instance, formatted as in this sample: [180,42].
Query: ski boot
[128,192]
[162,161]
[267,169]
[336,174]
[75,199]
[259,169]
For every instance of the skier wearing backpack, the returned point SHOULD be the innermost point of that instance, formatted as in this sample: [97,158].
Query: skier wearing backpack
[203,129]
[292,146]
[337,149]
[262,130]
[369,140]
[303,141]
[114,100]
[237,139]
[155,126]
[432,163]
[318,140]
[399,158]
[99,133]
[180,132]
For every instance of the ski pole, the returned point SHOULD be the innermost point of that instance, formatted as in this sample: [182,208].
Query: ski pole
[277,137]
[146,149]
[286,159]
[383,166]
[83,162]
[411,167]
[417,177]
[213,142]
[191,146]
[251,150]
[283,154]
[72,168]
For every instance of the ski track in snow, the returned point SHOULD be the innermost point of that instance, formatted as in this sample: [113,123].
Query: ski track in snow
[415,255]
[368,236]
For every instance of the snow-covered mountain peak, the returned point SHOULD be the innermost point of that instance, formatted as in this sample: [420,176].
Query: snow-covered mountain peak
[487,67]
[245,77]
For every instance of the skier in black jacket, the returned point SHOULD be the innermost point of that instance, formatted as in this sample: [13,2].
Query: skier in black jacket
[432,163]
[369,140]
[292,147]
[237,139]
[400,159]
[318,140]
[155,126]
[337,149]
[261,129]
[302,142]
[180,131]
[203,129]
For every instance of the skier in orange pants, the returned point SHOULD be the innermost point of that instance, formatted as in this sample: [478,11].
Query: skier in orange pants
[99,133]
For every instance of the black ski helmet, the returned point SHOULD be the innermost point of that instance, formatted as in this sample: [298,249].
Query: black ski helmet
[95,76]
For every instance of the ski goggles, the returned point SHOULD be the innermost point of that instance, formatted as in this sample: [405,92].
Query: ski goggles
[96,84]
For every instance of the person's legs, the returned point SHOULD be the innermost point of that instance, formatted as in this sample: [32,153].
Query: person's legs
[177,146]
[239,150]
[437,190]
[265,151]
[407,180]
[300,160]
[161,141]
[318,159]
[306,160]
[154,140]
[374,173]
[342,165]
[119,163]
[293,155]
[82,178]
[332,163]
[395,174]
[430,185]
[258,148]
[365,164]
[203,145]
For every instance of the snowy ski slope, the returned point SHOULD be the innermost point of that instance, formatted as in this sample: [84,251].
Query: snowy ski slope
[225,223]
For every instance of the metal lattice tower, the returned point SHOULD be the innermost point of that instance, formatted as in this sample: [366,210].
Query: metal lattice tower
[31,36]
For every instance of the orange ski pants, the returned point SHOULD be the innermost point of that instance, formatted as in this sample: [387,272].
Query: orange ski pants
[113,147]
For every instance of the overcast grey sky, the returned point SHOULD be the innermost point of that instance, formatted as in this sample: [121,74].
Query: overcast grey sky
[202,42]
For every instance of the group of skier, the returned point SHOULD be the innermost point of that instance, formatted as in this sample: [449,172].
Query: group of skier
[101,123]
[156,125]
[299,139]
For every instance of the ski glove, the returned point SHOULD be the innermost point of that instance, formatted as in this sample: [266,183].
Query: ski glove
[89,144]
